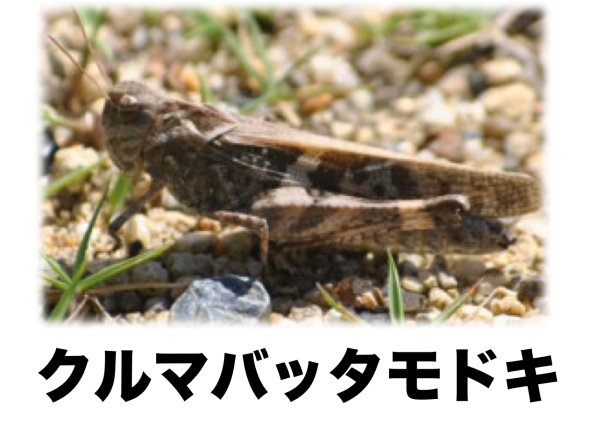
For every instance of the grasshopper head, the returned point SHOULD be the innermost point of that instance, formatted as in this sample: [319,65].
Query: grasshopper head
[128,117]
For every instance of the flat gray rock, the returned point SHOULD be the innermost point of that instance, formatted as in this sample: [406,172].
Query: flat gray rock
[230,299]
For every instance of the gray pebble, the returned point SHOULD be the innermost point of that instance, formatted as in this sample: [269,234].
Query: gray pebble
[229,299]
[375,318]
[150,272]
[413,302]
[196,242]
[123,302]
[469,270]
[530,289]
[254,268]
[186,264]
[281,305]
[237,242]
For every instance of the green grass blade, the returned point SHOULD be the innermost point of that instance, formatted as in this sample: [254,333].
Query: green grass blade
[63,304]
[82,250]
[61,308]
[53,263]
[88,13]
[301,60]
[55,186]
[211,26]
[396,301]
[55,283]
[346,313]
[273,92]
[54,119]
[117,268]
[151,16]
[207,95]
[259,44]
[118,194]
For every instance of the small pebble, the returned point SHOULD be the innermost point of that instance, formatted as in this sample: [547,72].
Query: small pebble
[508,305]
[531,289]
[228,299]
[159,321]
[123,302]
[196,242]
[429,279]
[469,270]
[341,129]
[412,284]
[447,281]
[185,264]
[518,145]
[478,312]
[515,101]
[282,305]
[236,243]
[412,302]
[429,315]
[314,104]
[405,105]
[439,298]
[455,82]
[150,272]
[357,292]
[69,160]
[333,317]
[157,304]
[364,135]
[301,313]
[137,229]
[362,99]
[439,115]
[501,292]
[502,70]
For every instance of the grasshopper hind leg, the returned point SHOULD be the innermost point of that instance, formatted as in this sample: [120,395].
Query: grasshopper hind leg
[253,223]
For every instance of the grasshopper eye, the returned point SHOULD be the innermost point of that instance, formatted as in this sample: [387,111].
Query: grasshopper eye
[128,102]
[128,107]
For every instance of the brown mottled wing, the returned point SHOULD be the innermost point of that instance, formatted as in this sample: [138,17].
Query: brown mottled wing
[301,158]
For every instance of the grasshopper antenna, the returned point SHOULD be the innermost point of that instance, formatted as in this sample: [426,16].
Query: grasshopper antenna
[100,66]
[79,67]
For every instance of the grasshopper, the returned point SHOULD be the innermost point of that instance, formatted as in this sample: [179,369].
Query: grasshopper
[299,189]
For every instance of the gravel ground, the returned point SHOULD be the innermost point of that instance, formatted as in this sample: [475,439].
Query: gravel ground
[377,77]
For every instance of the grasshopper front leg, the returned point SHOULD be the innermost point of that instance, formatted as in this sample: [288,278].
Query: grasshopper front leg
[117,223]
